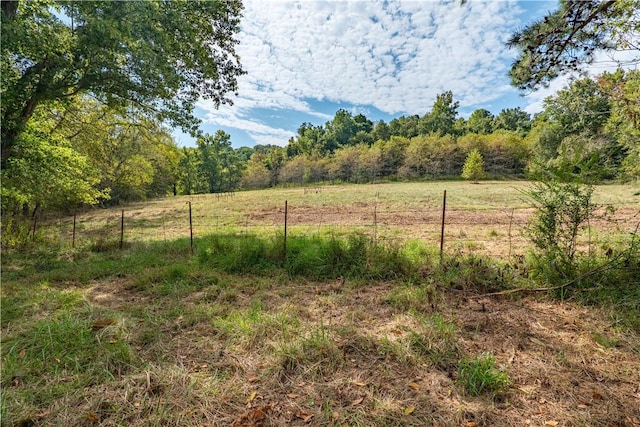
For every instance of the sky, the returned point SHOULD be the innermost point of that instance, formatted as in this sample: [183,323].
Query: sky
[307,59]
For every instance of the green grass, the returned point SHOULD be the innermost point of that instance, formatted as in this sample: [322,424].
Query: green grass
[339,317]
[480,375]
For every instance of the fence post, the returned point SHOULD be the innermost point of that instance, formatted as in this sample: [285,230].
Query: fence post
[510,223]
[73,234]
[444,208]
[375,224]
[122,230]
[286,214]
[190,227]
[35,221]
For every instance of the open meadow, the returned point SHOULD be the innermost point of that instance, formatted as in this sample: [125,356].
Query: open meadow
[358,323]
[485,218]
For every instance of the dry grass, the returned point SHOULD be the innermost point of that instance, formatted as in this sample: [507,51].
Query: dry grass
[484,218]
[276,352]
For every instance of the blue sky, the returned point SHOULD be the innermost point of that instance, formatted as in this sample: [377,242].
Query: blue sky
[306,59]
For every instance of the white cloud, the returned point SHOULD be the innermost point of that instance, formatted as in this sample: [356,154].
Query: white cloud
[394,56]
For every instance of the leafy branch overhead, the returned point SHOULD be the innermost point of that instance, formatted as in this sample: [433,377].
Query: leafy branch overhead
[159,56]
[571,36]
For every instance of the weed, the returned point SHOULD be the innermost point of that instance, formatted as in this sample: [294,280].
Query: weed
[480,375]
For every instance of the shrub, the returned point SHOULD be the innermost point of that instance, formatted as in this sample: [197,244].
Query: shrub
[473,168]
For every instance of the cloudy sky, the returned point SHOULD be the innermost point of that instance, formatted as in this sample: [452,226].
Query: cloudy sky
[306,59]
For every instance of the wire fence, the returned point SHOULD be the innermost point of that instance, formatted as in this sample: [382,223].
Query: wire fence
[493,231]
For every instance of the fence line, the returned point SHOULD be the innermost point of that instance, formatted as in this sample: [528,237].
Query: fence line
[495,232]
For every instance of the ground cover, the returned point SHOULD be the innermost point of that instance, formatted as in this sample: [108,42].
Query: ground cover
[347,327]
[156,336]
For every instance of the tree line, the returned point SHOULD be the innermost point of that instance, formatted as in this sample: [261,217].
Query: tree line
[89,90]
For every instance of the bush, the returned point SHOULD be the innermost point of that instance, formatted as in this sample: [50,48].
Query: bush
[561,211]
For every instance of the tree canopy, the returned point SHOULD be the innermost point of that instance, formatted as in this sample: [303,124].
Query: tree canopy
[566,39]
[157,56]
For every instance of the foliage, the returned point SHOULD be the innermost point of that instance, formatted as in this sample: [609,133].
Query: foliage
[160,56]
[47,173]
[473,168]
[570,36]
[561,212]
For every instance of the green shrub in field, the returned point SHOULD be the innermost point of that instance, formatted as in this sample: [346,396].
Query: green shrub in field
[561,211]
[480,375]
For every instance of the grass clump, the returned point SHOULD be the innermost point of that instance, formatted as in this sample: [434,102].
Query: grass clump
[58,355]
[479,376]
[437,341]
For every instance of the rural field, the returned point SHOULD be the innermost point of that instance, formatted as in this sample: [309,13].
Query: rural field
[484,218]
[359,322]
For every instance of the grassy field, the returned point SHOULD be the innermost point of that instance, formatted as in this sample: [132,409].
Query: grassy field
[484,218]
[359,333]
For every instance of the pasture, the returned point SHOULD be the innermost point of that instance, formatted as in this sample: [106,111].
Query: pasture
[155,335]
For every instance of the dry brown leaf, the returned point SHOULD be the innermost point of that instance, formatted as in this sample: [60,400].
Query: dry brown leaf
[93,418]
[409,410]
[336,415]
[471,424]
[292,395]
[102,323]
[596,395]
[359,384]
[357,402]
[414,386]
[253,379]
[253,418]
[304,416]
[551,423]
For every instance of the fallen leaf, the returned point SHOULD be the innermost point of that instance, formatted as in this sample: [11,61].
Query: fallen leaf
[357,401]
[253,379]
[359,384]
[304,416]
[551,423]
[253,418]
[409,410]
[414,386]
[93,418]
[596,395]
[292,395]
[22,353]
[102,323]
[471,424]
[251,397]
[336,415]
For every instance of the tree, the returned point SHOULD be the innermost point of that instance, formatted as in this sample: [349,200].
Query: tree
[220,166]
[473,168]
[480,122]
[442,118]
[161,56]
[513,119]
[565,39]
